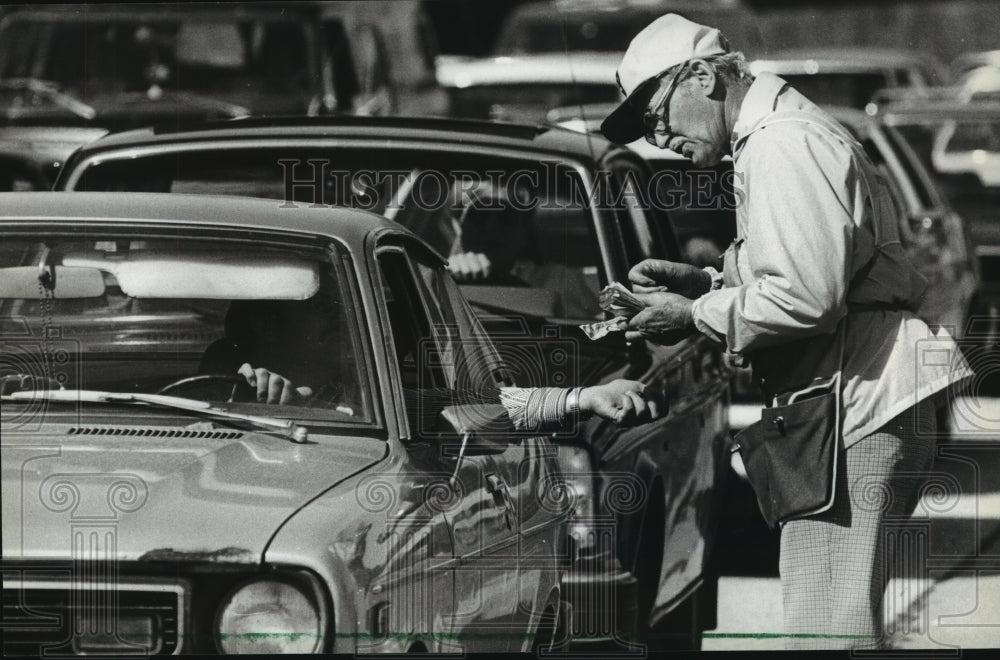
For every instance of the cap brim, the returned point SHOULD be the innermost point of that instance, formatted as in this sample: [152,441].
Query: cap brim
[624,125]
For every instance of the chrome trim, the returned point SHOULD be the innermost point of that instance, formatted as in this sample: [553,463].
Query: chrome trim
[125,585]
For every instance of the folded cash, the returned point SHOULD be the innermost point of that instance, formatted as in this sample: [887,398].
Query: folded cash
[619,301]
[601,328]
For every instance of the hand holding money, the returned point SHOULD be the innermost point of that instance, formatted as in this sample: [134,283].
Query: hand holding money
[617,300]
[652,275]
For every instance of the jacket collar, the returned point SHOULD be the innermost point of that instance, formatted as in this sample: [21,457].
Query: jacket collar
[766,93]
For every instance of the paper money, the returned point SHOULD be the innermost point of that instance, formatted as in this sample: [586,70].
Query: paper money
[601,328]
[617,300]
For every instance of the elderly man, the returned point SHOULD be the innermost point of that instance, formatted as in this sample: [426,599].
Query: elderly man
[816,283]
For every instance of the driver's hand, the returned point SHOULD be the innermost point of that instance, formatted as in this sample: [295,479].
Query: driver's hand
[625,402]
[470,266]
[272,387]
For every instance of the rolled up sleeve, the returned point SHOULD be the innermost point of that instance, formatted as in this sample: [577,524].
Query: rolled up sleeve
[800,186]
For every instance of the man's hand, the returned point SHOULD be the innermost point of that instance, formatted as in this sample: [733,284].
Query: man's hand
[667,320]
[470,266]
[651,275]
[622,401]
[272,387]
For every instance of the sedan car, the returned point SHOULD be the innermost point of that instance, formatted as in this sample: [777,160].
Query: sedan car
[524,88]
[557,26]
[122,66]
[154,503]
[959,145]
[850,76]
[560,215]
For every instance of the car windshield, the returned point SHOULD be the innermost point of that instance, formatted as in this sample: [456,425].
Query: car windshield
[532,219]
[235,60]
[181,317]
[964,158]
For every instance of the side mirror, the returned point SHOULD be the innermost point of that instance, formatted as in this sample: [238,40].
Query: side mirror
[484,429]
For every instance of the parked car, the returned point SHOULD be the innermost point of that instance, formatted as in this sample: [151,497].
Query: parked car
[648,553]
[959,145]
[573,25]
[850,76]
[122,66]
[30,157]
[153,505]
[525,88]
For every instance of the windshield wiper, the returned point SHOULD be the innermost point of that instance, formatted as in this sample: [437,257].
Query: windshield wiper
[284,427]
[50,91]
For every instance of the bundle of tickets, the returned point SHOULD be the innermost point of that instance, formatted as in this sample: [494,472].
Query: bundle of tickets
[619,301]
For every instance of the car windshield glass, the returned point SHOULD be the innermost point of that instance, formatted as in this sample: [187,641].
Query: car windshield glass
[846,89]
[532,220]
[526,102]
[964,158]
[235,60]
[183,317]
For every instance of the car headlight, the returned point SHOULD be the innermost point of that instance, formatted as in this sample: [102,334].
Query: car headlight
[268,616]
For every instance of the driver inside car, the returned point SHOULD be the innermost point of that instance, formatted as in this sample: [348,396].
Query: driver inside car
[288,352]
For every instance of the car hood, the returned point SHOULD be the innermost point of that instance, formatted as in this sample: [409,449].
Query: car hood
[161,492]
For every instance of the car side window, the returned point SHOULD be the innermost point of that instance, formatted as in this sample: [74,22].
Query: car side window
[409,323]
[469,360]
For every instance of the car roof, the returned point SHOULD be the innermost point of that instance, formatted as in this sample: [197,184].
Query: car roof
[525,137]
[939,111]
[128,11]
[351,226]
[553,10]
[841,60]
[573,67]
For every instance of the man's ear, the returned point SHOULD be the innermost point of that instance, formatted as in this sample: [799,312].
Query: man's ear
[705,75]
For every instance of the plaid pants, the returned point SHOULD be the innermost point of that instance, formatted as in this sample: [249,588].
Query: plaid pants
[833,576]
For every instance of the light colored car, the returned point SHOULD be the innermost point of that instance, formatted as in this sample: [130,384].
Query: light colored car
[643,529]
[959,145]
[153,503]
[850,76]
[525,88]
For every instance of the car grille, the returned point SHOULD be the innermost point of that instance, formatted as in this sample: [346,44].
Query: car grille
[55,618]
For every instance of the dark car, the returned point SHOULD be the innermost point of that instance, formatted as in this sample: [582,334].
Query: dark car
[468,187]
[121,66]
[153,504]
[555,26]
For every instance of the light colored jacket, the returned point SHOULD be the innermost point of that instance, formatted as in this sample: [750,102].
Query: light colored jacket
[817,244]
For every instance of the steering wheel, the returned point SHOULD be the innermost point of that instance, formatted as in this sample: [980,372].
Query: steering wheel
[225,386]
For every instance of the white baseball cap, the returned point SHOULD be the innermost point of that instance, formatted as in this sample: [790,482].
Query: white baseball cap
[663,44]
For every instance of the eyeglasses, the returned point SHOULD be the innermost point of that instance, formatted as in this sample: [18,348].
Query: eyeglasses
[656,119]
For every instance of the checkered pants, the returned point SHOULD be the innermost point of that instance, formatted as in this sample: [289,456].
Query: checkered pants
[833,569]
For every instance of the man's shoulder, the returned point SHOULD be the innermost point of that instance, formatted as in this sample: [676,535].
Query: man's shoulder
[798,133]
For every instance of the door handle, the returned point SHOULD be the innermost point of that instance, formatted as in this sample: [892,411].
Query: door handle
[501,497]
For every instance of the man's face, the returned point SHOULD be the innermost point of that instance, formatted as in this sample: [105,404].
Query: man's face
[692,123]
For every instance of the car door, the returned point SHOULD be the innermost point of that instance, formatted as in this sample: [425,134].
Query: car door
[479,510]
[525,473]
